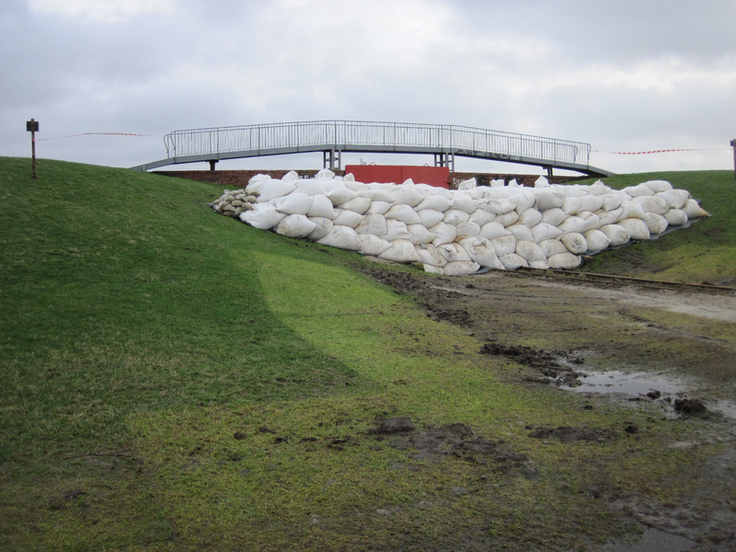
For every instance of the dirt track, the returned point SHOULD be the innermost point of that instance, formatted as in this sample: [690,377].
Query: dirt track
[670,348]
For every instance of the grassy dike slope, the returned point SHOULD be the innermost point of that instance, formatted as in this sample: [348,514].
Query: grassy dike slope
[703,253]
[174,380]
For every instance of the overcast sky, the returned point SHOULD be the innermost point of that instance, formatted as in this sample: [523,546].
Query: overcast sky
[623,75]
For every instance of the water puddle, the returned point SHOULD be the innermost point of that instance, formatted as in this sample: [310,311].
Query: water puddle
[654,541]
[628,383]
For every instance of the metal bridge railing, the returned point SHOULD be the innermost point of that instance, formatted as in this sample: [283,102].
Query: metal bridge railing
[338,135]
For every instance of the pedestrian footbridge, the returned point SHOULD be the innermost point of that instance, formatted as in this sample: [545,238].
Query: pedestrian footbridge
[333,138]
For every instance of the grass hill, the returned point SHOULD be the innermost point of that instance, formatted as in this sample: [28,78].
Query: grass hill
[174,380]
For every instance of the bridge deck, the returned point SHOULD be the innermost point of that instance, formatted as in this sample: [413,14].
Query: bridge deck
[336,137]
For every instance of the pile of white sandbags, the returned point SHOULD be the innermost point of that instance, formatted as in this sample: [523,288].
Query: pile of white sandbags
[461,231]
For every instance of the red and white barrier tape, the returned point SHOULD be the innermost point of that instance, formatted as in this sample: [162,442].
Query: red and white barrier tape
[658,151]
[94,134]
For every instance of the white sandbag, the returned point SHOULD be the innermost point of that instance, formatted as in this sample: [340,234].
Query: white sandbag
[263,216]
[349,177]
[467,184]
[295,226]
[529,251]
[591,220]
[616,233]
[358,204]
[295,204]
[482,252]
[636,228]
[639,190]
[552,247]
[574,224]
[481,217]
[358,187]
[549,199]
[574,190]
[693,210]
[401,251]
[521,232]
[493,229]
[430,217]
[407,194]
[325,173]
[631,209]
[498,183]
[674,198]
[597,241]
[404,213]
[435,202]
[434,270]
[554,216]
[291,176]
[378,194]
[467,229]
[342,237]
[657,185]
[611,201]
[272,189]
[541,182]
[676,217]
[453,252]
[543,231]
[420,235]
[653,204]
[530,217]
[507,219]
[257,182]
[504,245]
[372,224]
[378,208]
[498,206]
[571,205]
[346,217]
[460,268]
[463,202]
[523,201]
[656,223]
[608,217]
[428,255]
[512,261]
[598,188]
[575,243]
[396,230]
[590,203]
[455,216]
[565,261]
[539,265]
[310,187]
[323,227]
[445,233]
[340,195]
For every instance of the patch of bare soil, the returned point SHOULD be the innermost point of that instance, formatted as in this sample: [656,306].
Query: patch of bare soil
[565,329]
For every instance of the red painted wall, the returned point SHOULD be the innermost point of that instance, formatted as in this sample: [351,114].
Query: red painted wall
[434,176]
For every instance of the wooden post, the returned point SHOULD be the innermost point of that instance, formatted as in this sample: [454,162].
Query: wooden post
[733,146]
[32,127]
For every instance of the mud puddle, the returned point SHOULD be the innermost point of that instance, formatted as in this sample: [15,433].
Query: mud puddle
[654,541]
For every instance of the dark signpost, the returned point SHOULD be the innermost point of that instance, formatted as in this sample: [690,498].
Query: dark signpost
[733,145]
[32,127]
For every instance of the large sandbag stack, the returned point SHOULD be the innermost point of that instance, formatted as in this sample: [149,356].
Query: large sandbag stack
[461,231]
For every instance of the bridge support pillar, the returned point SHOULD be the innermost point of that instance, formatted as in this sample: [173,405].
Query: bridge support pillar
[332,159]
[212,163]
[445,160]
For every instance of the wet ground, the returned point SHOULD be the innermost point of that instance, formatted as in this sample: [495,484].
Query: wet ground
[668,348]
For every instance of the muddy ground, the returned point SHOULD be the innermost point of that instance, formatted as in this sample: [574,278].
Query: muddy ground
[664,347]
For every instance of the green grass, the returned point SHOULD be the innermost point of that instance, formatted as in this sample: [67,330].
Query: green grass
[705,252]
[175,380]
